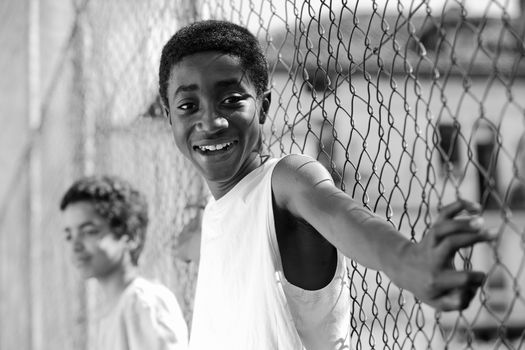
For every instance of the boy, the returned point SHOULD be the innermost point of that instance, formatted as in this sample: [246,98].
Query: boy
[105,220]
[274,235]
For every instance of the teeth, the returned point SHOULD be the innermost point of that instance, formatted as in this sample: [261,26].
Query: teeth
[219,146]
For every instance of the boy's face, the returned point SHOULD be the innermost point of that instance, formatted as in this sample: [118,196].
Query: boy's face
[97,252]
[215,115]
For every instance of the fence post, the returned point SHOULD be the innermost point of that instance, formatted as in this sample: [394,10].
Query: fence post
[15,329]
[35,177]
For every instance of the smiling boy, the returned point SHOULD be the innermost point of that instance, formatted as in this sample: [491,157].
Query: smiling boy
[105,220]
[272,271]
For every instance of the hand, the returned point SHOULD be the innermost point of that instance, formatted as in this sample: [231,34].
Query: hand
[428,266]
[188,242]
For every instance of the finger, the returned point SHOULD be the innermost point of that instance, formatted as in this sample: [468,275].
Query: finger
[453,209]
[457,299]
[450,279]
[457,289]
[451,244]
[458,225]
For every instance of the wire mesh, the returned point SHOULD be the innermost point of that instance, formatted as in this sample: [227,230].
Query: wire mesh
[409,104]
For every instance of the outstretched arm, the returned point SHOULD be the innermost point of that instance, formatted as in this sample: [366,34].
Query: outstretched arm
[303,187]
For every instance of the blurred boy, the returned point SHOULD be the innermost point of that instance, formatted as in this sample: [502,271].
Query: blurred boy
[272,271]
[105,220]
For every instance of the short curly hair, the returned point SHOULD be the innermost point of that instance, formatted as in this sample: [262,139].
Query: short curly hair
[213,35]
[115,200]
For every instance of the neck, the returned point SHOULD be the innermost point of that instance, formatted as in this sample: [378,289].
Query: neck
[115,283]
[220,188]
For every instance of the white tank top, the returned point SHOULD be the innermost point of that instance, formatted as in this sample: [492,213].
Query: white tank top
[242,299]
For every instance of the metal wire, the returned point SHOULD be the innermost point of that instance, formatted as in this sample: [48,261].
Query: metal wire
[407,104]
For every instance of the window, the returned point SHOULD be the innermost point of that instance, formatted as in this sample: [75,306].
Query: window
[449,146]
[318,80]
[487,155]
[517,197]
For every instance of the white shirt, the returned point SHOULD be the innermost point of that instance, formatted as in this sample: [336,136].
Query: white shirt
[242,299]
[146,316]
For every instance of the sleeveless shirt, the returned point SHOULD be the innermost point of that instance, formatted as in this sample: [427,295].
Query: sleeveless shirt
[243,300]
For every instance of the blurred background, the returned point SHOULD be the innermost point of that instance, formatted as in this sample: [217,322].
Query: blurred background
[409,104]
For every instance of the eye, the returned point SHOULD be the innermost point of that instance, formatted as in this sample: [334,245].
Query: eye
[186,106]
[90,232]
[234,99]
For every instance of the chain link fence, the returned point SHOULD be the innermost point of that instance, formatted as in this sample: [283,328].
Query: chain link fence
[409,104]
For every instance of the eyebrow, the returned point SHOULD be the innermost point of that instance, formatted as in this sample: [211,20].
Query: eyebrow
[186,88]
[85,224]
[229,82]
[220,84]
[82,226]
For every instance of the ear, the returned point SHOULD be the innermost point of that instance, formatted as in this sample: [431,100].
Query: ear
[265,106]
[130,242]
[166,112]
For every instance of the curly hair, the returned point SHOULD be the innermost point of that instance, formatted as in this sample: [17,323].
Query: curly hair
[115,200]
[213,35]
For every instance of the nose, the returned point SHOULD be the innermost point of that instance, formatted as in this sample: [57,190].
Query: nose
[78,244]
[211,121]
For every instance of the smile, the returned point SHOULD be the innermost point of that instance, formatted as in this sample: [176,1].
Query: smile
[215,148]
[81,261]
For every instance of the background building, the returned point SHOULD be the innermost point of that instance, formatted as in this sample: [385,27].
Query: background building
[409,105]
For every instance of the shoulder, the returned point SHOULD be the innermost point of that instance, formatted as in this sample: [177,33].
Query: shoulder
[152,314]
[298,167]
[296,173]
[147,294]
[294,159]
[147,300]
